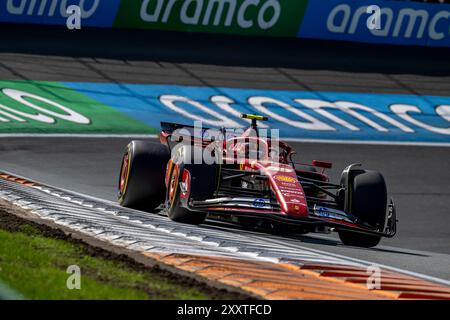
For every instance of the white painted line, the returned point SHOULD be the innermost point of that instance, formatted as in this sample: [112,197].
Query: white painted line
[43,186]
[383,143]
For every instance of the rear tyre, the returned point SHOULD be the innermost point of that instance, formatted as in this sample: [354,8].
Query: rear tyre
[368,203]
[141,180]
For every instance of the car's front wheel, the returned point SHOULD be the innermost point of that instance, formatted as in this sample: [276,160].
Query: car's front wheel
[350,238]
[368,203]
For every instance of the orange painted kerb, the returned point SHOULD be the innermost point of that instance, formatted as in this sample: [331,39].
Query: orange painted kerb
[12,178]
[309,281]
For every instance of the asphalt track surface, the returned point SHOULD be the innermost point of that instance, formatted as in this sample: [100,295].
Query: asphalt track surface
[418,177]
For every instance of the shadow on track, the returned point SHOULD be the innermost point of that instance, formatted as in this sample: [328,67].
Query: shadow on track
[310,239]
[225,50]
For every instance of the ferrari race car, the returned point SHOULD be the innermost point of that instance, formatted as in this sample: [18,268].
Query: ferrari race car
[248,179]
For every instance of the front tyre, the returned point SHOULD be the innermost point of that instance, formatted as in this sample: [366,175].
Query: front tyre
[369,204]
[358,239]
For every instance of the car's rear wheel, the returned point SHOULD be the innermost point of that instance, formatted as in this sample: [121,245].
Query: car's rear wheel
[368,203]
[141,180]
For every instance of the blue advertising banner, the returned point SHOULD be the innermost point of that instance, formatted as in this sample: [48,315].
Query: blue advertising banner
[402,22]
[338,116]
[94,13]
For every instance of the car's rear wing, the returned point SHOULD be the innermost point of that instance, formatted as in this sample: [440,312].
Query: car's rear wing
[170,127]
[203,133]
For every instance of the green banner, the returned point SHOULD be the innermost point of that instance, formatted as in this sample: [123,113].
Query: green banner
[246,17]
[51,107]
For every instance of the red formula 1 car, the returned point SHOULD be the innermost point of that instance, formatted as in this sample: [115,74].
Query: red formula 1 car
[249,180]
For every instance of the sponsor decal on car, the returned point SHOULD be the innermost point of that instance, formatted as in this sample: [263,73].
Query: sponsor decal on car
[259,203]
[288,185]
[330,213]
[279,169]
[185,185]
[291,192]
[285,179]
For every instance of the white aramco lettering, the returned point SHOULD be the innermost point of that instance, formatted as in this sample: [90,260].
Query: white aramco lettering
[346,11]
[214,12]
[275,6]
[38,7]
[225,103]
[231,4]
[386,26]
[44,116]
[350,108]
[412,16]
[171,101]
[241,20]
[311,123]
[434,21]
[74,19]
[356,18]
[407,22]
[269,106]
[374,21]
[184,11]
[145,16]
[402,111]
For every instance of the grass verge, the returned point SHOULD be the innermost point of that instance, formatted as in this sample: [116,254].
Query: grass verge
[34,260]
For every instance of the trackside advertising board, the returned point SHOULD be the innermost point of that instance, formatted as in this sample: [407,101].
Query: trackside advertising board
[402,22]
[94,13]
[250,17]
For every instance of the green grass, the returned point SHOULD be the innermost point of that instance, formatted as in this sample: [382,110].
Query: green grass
[35,265]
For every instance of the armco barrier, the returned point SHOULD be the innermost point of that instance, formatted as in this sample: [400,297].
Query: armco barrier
[95,13]
[250,17]
[402,22]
